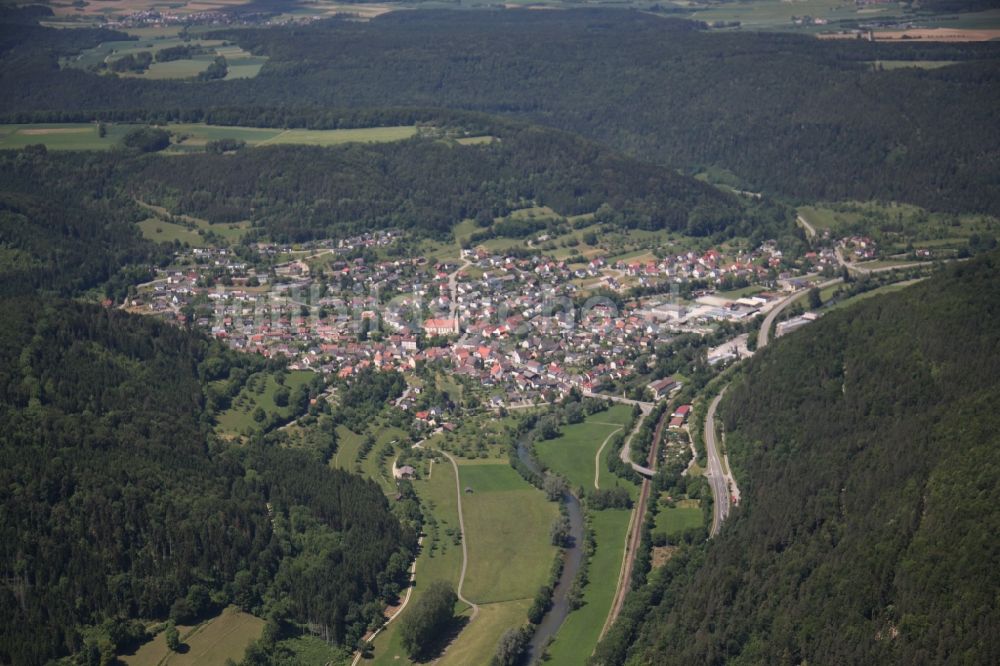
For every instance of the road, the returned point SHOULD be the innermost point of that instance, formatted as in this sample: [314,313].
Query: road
[763,337]
[634,538]
[719,477]
[810,230]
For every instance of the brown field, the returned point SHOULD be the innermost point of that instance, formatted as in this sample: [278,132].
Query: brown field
[56,130]
[939,35]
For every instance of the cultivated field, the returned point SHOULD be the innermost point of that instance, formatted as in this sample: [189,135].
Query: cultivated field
[189,137]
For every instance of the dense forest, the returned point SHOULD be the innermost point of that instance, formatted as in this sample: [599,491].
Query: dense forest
[865,447]
[119,503]
[295,193]
[786,113]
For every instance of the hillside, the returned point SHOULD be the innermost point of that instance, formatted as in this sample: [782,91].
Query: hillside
[787,113]
[424,185]
[867,452]
[119,505]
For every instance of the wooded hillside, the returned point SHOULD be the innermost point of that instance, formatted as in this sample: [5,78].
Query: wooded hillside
[788,113]
[119,504]
[866,451]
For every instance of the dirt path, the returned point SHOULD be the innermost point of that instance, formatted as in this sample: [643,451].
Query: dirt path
[597,457]
[465,546]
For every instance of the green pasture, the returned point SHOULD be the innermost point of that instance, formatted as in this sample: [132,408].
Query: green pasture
[439,558]
[239,418]
[507,532]
[673,521]
[577,637]
[572,455]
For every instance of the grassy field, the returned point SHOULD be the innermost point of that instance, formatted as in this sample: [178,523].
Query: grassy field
[198,134]
[887,289]
[64,136]
[242,64]
[166,232]
[239,418]
[212,642]
[157,228]
[439,558]
[572,455]
[478,641]
[674,521]
[577,638]
[895,226]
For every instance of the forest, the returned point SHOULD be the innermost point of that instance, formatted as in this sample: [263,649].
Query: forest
[789,114]
[296,193]
[865,446]
[119,503]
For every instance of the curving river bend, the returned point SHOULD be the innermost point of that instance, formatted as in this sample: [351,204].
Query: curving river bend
[572,557]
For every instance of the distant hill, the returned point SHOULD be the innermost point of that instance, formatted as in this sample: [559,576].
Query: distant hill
[868,455]
[295,193]
[787,113]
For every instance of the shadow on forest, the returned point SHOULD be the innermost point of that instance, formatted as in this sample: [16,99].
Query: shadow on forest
[433,651]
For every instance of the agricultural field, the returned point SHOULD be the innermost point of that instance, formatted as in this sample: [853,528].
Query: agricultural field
[258,392]
[64,136]
[577,638]
[241,64]
[155,229]
[189,137]
[223,637]
[574,453]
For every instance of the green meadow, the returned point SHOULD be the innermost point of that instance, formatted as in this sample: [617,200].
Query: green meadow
[577,638]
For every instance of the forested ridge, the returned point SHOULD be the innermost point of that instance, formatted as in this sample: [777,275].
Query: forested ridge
[866,452]
[295,193]
[119,503]
[787,113]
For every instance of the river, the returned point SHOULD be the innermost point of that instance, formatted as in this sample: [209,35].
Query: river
[572,558]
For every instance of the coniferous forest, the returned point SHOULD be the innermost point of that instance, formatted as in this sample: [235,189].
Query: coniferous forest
[118,500]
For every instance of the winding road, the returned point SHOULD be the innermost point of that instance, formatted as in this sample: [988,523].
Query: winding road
[597,458]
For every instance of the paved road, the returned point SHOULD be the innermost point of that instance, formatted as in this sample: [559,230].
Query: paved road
[763,337]
[716,475]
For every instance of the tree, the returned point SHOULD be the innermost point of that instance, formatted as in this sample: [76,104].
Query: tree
[147,139]
[173,638]
[815,300]
[429,619]
[511,647]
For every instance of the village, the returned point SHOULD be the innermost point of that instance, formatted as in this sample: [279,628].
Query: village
[524,328]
